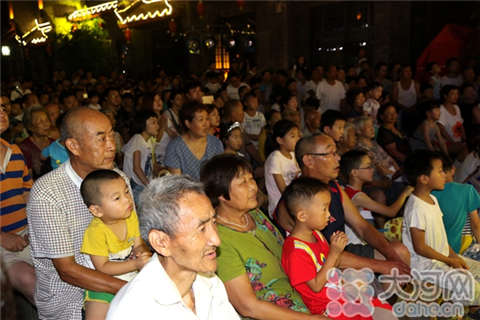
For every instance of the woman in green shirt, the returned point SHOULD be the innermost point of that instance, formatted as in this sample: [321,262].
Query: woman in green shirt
[249,257]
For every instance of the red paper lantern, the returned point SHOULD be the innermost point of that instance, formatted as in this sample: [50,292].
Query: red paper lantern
[240,4]
[172,27]
[200,9]
[128,35]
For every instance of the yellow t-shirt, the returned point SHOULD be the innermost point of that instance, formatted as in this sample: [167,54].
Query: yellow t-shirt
[99,240]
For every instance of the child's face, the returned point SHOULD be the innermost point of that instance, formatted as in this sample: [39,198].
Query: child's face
[289,141]
[214,118]
[359,100]
[252,104]
[377,93]
[434,114]
[436,69]
[317,213]
[362,83]
[234,141]
[152,127]
[117,202]
[365,170]
[16,109]
[436,180]
[428,94]
[277,116]
[94,100]
[292,104]
[336,131]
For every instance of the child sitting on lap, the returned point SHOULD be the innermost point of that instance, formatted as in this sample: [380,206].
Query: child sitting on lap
[112,241]
[307,258]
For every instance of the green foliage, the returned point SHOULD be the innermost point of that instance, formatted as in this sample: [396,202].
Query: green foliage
[87,46]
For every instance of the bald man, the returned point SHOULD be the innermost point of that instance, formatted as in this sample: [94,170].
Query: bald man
[58,217]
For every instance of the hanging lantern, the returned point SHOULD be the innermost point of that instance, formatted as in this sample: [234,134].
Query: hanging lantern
[172,27]
[49,49]
[200,9]
[128,35]
[74,28]
[240,4]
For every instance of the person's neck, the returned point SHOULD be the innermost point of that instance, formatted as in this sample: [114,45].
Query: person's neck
[436,75]
[192,137]
[379,79]
[405,81]
[452,74]
[331,81]
[356,183]
[112,107]
[287,154]
[365,141]
[302,232]
[430,122]
[183,279]
[448,104]
[423,192]
[388,125]
[341,148]
[306,172]
[311,128]
[175,109]
[229,150]
[467,100]
[251,113]
[127,108]
[39,139]
[230,214]
[146,135]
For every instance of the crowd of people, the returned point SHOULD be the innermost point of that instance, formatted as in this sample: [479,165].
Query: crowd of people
[234,194]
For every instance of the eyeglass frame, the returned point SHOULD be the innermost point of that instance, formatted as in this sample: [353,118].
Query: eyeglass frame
[326,154]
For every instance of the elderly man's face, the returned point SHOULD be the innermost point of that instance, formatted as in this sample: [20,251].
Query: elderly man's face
[97,143]
[324,168]
[194,246]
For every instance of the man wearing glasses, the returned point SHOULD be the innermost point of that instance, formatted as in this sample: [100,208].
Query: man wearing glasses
[317,157]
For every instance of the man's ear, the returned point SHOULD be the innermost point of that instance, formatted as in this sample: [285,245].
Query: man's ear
[308,161]
[160,242]
[96,210]
[73,146]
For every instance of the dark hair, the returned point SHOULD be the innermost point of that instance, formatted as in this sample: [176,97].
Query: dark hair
[64,95]
[329,118]
[241,89]
[419,163]
[92,94]
[210,108]
[280,129]
[379,65]
[282,73]
[290,81]
[373,85]
[382,109]
[352,95]
[90,188]
[446,90]
[465,86]
[249,95]
[229,106]
[218,173]
[428,106]
[187,112]
[449,61]
[351,160]
[254,81]
[447,163]
[226,130]
[312,102]
[191,85]
[425,86]
[139,123]
[429,66]
[300,192]
[269,116]
[305,145]
[107,91]
[148,100]
[286,97]
[175,93]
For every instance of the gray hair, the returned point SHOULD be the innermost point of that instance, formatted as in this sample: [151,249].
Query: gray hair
[159,204]
[348,125]
[28,116]
[359,122]
[72,125]
[306,145]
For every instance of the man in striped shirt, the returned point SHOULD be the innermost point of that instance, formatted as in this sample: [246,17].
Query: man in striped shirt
[15,184]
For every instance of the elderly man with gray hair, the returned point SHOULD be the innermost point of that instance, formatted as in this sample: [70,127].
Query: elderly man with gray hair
[178,223]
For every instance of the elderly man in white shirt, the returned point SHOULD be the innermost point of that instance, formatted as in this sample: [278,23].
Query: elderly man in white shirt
[178,223]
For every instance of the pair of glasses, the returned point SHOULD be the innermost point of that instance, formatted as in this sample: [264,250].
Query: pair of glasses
[330,154]
[371,167]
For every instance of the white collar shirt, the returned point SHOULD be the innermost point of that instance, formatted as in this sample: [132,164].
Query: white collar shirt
[154,295]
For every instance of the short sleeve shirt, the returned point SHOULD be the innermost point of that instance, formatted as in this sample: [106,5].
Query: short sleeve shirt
[257,254]
[179,156]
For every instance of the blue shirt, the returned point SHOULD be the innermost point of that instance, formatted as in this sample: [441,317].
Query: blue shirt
[178,156]
[456,201]
[58,154]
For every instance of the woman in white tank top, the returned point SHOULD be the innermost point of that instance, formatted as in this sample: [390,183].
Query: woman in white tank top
[406,95]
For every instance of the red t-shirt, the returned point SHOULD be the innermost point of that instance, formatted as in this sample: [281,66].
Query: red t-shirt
[301,261]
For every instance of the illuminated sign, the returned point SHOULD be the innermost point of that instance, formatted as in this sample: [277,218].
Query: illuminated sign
[135,12]
[83,14]
[41,28]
